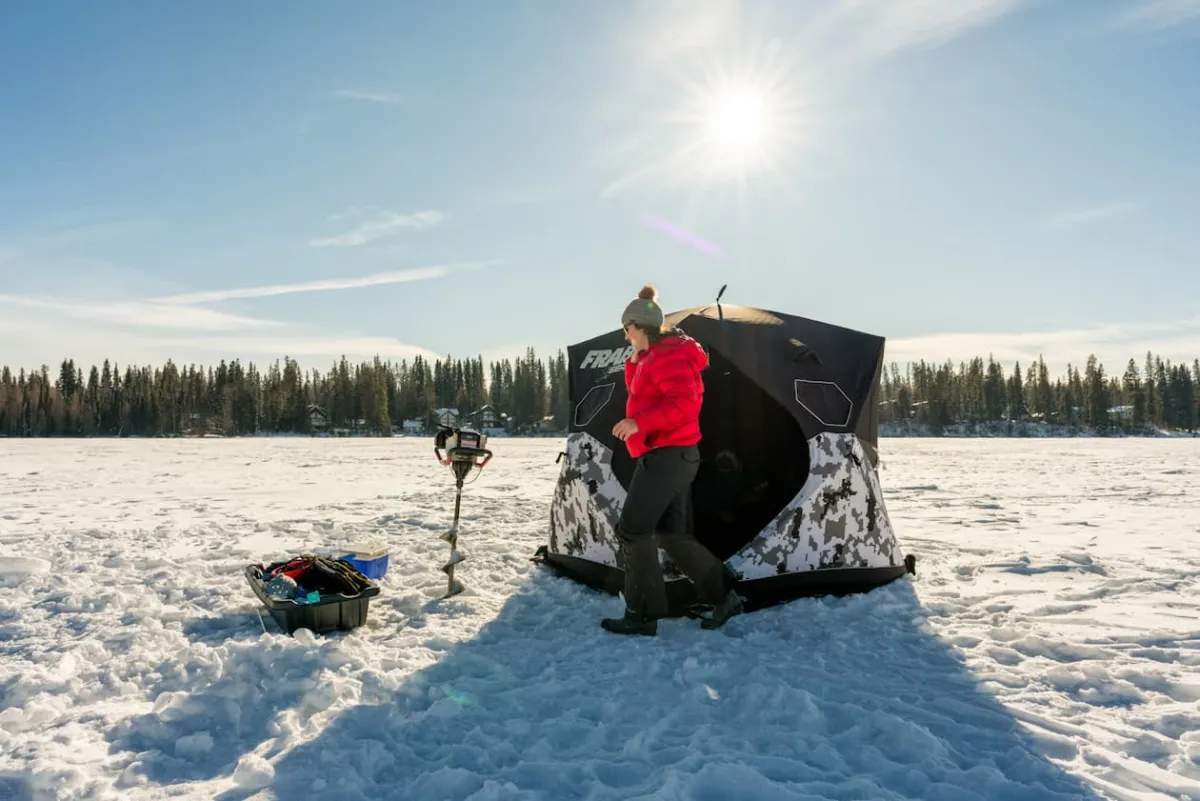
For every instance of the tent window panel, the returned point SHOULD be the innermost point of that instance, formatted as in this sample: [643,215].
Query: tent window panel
[825,401]
[755,460]
[593,403]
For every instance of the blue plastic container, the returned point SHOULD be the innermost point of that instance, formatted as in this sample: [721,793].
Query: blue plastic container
[372,563]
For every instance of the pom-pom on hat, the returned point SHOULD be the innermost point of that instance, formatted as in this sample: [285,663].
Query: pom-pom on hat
[644,310]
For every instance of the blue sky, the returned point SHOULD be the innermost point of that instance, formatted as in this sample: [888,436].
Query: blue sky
[220,180]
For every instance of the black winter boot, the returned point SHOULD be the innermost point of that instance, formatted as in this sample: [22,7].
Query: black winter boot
[631,624]
[729,606]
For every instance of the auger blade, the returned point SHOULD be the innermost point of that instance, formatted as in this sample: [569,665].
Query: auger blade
[455,557]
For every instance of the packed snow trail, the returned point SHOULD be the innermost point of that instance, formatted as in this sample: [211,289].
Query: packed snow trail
[1050,647]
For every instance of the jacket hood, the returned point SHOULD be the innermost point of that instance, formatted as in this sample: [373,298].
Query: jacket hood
[676,339]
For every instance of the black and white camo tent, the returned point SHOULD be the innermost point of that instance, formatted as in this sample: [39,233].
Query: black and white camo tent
[787,494]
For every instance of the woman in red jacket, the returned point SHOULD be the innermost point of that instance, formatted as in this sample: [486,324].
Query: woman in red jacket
[661,430]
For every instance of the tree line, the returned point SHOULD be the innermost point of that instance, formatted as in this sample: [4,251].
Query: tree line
[529,394]
[1155,394]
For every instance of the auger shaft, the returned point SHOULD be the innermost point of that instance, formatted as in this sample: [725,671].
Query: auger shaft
[451,536]
[464,450]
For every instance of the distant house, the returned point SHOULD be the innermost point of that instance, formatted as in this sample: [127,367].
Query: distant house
[485,417]
[199,425]
[1121,414]
[446,417]
[413,427]
[195,425]
[318,418]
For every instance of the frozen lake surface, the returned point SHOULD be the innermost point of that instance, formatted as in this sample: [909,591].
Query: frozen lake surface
[1049,648]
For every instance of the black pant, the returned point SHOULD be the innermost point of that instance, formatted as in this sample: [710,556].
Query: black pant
[657,512]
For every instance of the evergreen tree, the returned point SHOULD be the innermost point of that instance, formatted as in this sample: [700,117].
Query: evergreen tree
[1153,399]
[1183,395]
[1016,395]
[1166,410]
[993,391]
[1135,393]
[560,401]
[973,392]
[1096,407]
[904,395]
[380,417]
[1044,393]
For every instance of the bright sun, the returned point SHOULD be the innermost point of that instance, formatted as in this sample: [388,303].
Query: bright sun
[738,129]
[736,121]
[730,127]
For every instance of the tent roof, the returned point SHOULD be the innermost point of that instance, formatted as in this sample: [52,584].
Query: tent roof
[737,314]
[825,374]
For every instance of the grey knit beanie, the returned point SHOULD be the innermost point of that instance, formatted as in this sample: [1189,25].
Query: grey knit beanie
[644,310]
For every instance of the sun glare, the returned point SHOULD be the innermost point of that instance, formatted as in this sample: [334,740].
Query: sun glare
[736,123]
[738,131]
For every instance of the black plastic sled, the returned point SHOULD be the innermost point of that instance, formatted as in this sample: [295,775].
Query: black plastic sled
[344,594]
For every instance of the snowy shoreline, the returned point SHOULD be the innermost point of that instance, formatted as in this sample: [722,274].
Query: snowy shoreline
[1024,430]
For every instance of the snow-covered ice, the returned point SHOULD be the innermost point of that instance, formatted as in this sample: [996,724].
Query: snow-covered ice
[1049,648]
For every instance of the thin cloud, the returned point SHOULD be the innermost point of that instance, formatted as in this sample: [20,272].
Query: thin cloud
[674,28]
[389,223]
[353,347]
[140,314]
[678,28]
[90,332]
[49,341]
[883,26]
[1161,14]
[184,312]
[369,97]
[1113,345]
[1078,217]
[325,285]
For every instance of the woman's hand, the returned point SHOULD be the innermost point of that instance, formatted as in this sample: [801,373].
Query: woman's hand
[625,429]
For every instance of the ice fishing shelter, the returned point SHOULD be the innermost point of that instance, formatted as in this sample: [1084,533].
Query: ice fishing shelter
[787,494]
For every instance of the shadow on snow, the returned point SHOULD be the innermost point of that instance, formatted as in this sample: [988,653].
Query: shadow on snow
[15,787]
[829,699]
[200,728]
